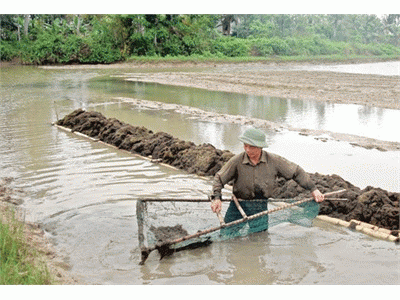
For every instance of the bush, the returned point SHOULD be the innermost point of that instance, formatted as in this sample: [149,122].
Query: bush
[99,46]
[316,45]
[93,51]
[279,46]
[231,47]
[50,48]
[270,46]
[389,49]
[142,45]
[7,51]
[192,45]
[262,47]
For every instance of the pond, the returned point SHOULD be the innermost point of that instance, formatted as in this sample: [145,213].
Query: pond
[84,193]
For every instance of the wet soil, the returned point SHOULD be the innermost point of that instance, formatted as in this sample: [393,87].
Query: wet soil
[371,205]
[34,235]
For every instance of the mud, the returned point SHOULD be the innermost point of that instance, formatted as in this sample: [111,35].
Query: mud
[204,160]
[164,233]
[371,205]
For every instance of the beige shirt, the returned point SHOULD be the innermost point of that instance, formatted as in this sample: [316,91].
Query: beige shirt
[258,181]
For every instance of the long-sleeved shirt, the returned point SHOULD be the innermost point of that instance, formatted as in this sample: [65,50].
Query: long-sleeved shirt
[257,181]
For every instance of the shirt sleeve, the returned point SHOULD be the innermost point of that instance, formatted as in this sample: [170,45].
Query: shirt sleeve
[290,170]
[302,178]
[223,176]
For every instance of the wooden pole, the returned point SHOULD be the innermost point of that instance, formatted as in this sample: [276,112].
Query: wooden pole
[239,207]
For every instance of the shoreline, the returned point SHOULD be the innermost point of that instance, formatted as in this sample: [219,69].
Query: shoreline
[34,235]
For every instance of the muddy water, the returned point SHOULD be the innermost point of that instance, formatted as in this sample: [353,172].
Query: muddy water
[84,193]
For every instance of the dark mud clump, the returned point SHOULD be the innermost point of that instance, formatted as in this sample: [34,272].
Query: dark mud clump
[169,233]
[165,233]
[371,205]
[204,160]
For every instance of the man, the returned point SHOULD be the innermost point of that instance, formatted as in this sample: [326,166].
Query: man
[253,173]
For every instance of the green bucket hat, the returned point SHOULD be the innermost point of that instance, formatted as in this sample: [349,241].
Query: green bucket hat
[253,137]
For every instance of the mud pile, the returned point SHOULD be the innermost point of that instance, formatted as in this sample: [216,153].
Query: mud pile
[371,205]
[204,160]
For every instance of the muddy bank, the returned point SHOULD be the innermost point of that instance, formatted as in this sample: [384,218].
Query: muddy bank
[371,205]
[10,199]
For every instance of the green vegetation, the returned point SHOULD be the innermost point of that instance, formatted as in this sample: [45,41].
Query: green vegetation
[20,264]
[66,39]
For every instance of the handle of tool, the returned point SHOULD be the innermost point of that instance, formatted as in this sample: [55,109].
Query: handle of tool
[221,219]
[239,207]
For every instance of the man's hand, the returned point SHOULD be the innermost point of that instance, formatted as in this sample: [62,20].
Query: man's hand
[318,196]
[216,205]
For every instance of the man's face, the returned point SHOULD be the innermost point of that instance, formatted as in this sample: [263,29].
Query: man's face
[252,151]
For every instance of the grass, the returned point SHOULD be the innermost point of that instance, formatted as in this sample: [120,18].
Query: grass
[20,263]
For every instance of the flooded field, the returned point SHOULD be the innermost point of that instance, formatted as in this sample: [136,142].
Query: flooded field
[84,193]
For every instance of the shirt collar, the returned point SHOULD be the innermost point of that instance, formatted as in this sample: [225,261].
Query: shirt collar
[246,159]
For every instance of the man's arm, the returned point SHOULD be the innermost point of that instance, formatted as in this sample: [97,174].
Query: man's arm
[286,168]
[223,176]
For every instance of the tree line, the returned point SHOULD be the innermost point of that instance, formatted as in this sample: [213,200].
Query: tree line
[48,39]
